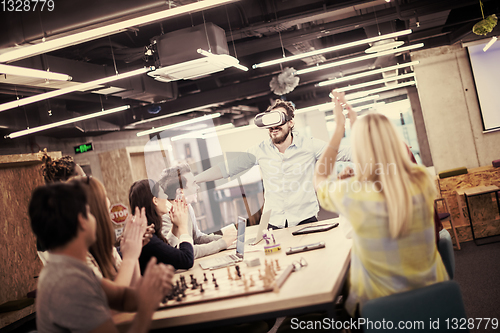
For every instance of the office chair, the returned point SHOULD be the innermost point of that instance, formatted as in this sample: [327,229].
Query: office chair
[427,309]
[446,216]
[445,248]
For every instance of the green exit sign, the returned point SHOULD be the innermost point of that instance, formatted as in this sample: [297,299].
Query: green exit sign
[84,148]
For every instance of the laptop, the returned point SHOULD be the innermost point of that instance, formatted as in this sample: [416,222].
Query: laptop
[264,222]
[230,259]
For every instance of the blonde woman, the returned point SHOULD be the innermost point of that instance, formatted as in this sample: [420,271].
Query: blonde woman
[389,202]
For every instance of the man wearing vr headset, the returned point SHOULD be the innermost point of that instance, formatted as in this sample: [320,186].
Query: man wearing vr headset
[286,162]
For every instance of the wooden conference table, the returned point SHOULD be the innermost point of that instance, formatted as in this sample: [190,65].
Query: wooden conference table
[312,288]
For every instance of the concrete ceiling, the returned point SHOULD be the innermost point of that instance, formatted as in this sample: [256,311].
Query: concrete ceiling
[256,31]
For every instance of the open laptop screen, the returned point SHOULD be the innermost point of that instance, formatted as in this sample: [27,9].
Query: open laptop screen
[240,242]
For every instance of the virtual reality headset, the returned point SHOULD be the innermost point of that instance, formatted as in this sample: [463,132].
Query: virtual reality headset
[271,119]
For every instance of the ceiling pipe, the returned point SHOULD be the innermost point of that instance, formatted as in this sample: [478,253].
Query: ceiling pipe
[404,18]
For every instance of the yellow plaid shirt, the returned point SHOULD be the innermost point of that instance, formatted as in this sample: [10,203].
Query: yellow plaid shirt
[381,265]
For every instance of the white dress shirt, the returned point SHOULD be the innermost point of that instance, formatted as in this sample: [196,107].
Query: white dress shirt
[287,177]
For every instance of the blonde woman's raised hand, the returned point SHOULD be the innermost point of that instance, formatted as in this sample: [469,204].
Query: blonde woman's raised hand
[340,96]
[337,98]
[131,243]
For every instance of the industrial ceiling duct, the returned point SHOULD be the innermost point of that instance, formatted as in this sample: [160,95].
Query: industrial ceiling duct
[176,53]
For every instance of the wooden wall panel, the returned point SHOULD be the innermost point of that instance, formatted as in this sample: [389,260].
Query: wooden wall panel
[138,166]
[19,262]
[117,175]
[476,177]
[486,225]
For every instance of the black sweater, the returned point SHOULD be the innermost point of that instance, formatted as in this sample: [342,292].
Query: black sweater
[181,258]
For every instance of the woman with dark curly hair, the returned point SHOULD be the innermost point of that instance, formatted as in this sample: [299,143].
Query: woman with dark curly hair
[60,169]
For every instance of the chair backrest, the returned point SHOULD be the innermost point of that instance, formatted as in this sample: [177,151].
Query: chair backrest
[425,310]
[441,205]
[445,248]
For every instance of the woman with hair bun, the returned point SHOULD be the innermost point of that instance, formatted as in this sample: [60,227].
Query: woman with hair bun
[60,169]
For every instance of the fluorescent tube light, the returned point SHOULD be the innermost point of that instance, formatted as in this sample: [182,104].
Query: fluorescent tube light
[329,106]
[173,114]
[377,90]
[352,60]
[182,123]
[332,48]
[363,99]
[200,133]
[191,135]
[229,131]
[320,107]
[358,109]
[64,122]
[491,42]
[364,74]
[35,73]
[374,82]
[85,36]
[76,87]
[225,59]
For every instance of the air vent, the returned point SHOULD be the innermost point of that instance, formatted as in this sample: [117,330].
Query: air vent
[177,54]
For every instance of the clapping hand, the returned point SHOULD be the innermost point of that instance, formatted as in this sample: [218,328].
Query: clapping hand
[131,242]
[148,234]
[179,215]
[154,285]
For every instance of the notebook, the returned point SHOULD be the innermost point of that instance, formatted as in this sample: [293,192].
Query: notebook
[230,259]
[264,222]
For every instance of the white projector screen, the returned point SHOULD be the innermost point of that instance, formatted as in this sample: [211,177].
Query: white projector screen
[486,72]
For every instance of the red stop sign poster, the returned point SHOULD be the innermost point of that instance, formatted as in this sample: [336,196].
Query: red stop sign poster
[119,213]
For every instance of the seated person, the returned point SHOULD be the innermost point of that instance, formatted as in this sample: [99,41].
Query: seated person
[389,202]
[103,257]
[148,194]
[204,244]
[70,298]
[53,171]
[60,169]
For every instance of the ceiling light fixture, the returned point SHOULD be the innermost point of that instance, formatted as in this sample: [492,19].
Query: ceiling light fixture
[358,109]
[352,60]
[65,122]
[364,74]
[378,90]
[384,45]
[85,36]
[182,123]
[34,73]
[374,82]
[332,48]
[229,131]
[200,134]
[173,114]
[329,106]
[225,59]
[491,42]
[363,99]
[76,87]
